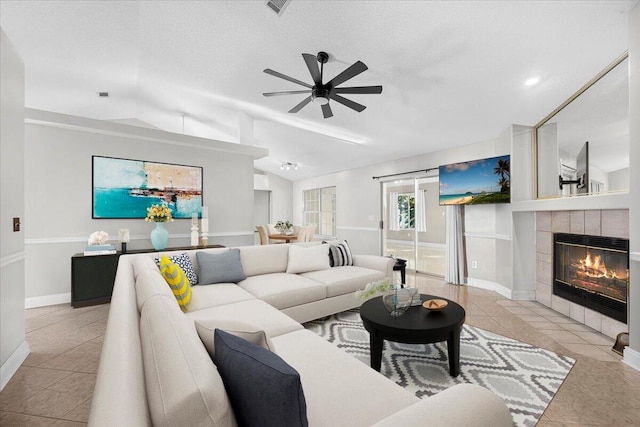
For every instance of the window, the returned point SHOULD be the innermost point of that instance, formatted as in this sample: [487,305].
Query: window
[407,211]
[320,210]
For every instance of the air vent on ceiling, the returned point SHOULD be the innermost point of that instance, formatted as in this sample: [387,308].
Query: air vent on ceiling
[278,6]
[103,94]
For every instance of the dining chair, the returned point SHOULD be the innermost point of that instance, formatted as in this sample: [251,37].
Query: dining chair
[264,237]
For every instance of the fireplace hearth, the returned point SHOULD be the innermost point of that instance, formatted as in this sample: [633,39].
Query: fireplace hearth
[592,271]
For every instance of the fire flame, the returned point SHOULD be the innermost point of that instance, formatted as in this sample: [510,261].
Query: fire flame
[595,267]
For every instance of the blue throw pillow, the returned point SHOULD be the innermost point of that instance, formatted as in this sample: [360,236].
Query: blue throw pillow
[262,388]
[224,267]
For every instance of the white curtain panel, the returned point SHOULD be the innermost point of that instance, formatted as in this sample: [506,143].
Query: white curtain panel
[394,212]
[421,211]
[454,272]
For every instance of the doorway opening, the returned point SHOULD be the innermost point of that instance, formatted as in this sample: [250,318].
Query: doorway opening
[414,224]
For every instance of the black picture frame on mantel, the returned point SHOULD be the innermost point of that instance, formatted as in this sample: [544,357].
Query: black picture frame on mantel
[125,188]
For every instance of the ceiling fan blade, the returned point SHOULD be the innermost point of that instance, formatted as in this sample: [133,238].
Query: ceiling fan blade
[312,65]
[347,102]
[300,105]
[289,92]
[359,89]
[347,74]
[326,111]
[290,79]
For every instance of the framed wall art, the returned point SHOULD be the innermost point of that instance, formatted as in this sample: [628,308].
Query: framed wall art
[123,188]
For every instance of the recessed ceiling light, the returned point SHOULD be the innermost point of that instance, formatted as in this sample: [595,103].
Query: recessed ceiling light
[532,81]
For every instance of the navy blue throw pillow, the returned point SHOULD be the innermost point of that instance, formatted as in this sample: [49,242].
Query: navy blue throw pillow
[262,388]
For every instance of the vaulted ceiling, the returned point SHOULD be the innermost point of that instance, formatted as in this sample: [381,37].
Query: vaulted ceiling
[453,73]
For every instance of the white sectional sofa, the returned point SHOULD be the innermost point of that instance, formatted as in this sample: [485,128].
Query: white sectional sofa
[155,370]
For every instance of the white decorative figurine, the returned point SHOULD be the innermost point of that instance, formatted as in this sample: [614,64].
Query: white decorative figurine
[98,238]
[194,230]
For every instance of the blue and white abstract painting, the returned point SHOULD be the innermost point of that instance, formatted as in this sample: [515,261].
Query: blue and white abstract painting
[126,188]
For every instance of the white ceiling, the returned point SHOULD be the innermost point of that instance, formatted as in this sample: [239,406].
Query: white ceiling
[453,72]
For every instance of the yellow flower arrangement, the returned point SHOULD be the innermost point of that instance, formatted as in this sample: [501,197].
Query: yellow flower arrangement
[158,213]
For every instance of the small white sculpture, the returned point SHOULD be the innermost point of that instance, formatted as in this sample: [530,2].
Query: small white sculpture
[98,238]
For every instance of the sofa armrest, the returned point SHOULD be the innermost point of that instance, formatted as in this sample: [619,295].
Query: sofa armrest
[460,405]
[375,262]
[119,397]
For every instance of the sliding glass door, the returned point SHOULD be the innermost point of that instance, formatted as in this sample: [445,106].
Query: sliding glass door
[414,224]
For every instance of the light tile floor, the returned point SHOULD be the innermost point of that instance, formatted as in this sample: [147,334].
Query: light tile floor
[55,384]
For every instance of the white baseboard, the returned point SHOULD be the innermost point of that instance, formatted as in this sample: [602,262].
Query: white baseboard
[44,300]
[10,367]
[501,289]
[632,358]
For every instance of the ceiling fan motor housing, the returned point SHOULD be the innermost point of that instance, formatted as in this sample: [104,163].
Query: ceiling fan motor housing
[320,95]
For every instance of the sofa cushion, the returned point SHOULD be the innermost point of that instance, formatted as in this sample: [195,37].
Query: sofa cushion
[247,331]
[220,268]
[256,312]
[340,254]
[343,280]
[220,294]
[340,390]
[184,261]
[303,259]
[264,259]
[177,280]
[183,385]
[149,284]
[283,290]
[268,392]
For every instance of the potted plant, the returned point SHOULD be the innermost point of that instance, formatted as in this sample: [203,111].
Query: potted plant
[284,227]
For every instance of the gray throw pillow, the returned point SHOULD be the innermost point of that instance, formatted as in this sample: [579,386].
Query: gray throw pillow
[224,267]
[262,388]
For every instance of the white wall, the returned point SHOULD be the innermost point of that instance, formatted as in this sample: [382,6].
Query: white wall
[619,180]
[281,198]
[58,153]
[13,347]
[632,355]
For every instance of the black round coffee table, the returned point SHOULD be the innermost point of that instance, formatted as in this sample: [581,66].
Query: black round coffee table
[417,326]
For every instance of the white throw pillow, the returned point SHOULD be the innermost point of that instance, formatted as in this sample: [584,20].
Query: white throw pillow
[304,259]
[244,330]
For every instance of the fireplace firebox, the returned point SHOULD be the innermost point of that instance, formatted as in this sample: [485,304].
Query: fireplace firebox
[592,271]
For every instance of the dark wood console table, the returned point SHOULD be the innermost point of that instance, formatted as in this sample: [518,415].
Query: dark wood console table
[92,276]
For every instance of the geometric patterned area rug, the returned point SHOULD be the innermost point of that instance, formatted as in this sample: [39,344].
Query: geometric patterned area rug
[524,376]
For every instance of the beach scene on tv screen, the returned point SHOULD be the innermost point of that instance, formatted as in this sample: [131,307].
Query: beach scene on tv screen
[476,182]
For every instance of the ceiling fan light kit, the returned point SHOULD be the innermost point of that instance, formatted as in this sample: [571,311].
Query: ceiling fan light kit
[288,166]
[321,93]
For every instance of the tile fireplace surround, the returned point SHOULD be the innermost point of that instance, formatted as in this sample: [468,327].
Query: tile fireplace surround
[612,223]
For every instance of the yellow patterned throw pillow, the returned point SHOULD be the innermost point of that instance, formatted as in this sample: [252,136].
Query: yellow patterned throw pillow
[178,282]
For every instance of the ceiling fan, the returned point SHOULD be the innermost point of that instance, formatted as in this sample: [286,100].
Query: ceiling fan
[321,93]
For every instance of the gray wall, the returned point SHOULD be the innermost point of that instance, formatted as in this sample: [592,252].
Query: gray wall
[634,208]
[58,192]
[13,347]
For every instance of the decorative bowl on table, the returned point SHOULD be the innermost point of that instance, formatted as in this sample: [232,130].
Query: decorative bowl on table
[435,304]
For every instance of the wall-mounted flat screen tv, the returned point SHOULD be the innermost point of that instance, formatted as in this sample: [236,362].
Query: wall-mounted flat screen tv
[476,182]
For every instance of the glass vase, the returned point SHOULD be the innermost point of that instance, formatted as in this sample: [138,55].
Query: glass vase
[159,237]
[396,301]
